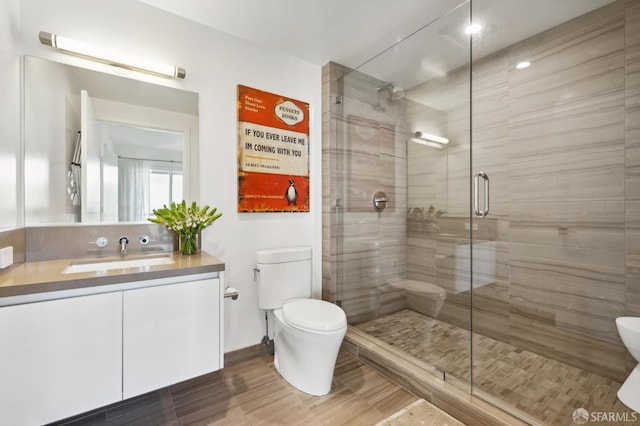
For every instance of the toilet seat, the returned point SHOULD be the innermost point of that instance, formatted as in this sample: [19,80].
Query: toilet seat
[314,315]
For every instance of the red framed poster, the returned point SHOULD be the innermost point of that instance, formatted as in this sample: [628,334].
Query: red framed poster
[273,152]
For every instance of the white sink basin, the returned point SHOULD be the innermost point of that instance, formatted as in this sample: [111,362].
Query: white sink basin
[106,265]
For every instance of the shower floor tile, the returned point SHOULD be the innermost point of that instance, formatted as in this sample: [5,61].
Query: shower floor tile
[542,388]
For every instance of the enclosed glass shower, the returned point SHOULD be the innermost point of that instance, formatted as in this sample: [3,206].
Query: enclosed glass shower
[485,200]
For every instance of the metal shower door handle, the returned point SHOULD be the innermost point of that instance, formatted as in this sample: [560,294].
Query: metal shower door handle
[476,194]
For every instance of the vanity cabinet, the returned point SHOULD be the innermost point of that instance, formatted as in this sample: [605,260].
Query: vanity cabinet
[62,354]
[171,333]
[59,358]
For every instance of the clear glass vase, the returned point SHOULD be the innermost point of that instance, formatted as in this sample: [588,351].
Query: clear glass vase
[187,243]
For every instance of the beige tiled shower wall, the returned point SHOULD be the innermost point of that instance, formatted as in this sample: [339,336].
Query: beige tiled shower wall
[632,161]
[560,141]
[364,151]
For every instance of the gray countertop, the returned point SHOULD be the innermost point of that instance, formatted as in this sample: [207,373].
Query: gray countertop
[46,276]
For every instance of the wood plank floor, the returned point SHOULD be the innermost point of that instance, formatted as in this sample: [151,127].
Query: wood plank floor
[253,393]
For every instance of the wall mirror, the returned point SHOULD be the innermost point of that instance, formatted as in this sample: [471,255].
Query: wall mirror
[100,148]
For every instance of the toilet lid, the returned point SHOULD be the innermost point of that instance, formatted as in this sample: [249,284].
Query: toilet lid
[313,314]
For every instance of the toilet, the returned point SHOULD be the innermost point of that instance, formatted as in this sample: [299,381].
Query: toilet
[308,332]
[629,392]
[422,297]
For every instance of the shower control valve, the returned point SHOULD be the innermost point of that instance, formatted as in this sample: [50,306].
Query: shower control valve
[380,201]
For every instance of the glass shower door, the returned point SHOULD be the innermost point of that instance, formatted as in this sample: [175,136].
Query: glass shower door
[549,259]
[403,134]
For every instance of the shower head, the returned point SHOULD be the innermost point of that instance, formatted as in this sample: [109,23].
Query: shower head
[389,86]
[395,93]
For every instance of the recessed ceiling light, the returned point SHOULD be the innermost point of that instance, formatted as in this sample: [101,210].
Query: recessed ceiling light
[522,65]
[473,29]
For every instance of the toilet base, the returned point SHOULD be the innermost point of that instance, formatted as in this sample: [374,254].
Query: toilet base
[306,360]
[629,392]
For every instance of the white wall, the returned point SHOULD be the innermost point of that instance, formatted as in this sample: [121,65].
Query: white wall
[216,63]
[51,125]
[9,110]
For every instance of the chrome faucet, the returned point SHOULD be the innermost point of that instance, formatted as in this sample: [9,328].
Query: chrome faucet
[123,244]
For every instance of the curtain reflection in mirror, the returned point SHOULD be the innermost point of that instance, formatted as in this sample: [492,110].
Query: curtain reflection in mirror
[144,185]
[133,189]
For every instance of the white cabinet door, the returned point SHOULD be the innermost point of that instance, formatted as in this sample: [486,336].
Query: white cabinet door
[171,333]
[60,358]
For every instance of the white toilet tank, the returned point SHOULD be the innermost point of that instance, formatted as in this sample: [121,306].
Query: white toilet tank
[284,274]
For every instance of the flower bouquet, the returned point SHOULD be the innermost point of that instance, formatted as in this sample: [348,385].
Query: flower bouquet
[187,222]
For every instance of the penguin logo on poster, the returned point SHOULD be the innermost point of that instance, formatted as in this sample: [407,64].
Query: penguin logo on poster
[291,194]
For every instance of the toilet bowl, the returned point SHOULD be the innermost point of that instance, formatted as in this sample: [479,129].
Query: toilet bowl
[629,392]
[422,297]
[308,332]
[308,336]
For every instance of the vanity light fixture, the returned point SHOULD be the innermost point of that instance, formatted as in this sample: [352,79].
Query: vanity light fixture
[97,54]
[427,143]
[522,65]
[430,138]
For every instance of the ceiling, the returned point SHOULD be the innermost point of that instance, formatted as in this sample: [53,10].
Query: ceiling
[357,32]
[318,31]
[143,143]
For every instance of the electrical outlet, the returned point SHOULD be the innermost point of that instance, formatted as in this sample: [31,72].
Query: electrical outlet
[6,257]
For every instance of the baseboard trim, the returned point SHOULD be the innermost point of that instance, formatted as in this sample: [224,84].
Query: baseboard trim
[245,354]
